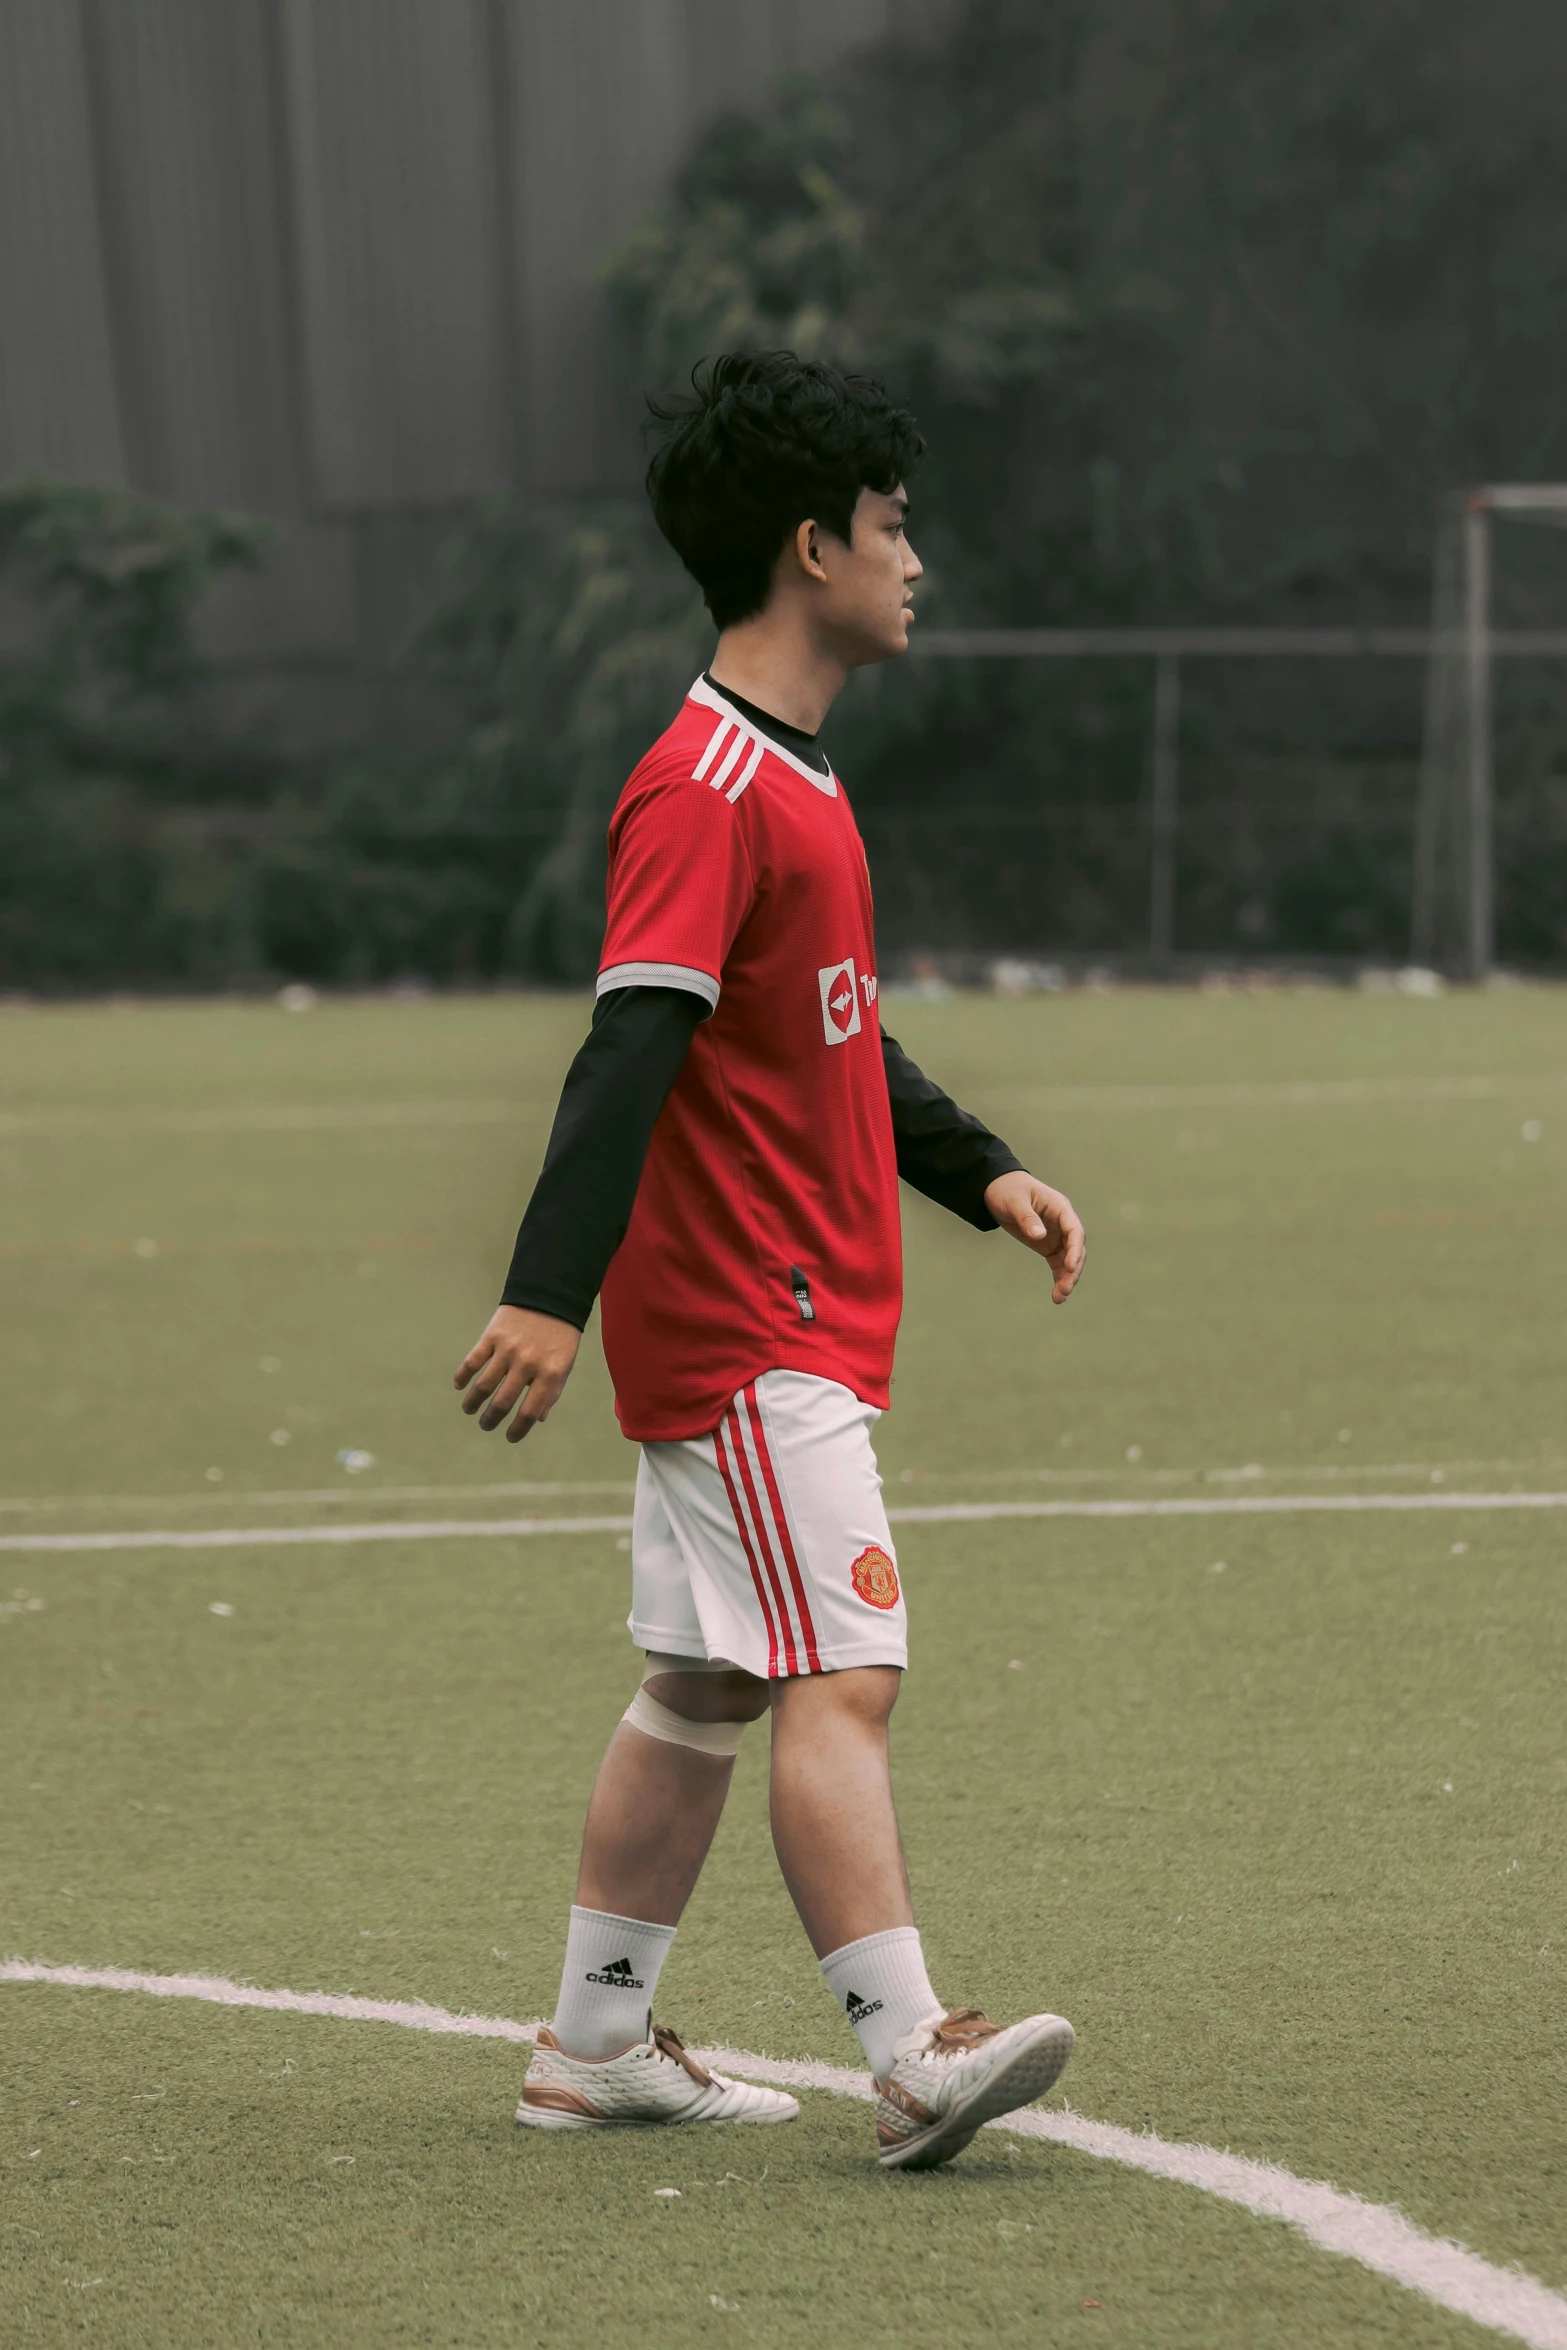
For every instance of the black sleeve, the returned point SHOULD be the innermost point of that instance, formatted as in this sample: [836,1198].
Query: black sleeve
[942,1151]
[609,1106]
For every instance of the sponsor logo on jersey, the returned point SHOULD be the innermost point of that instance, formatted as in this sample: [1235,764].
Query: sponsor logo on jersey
[840,1001]
[875,1578]
[617,1976]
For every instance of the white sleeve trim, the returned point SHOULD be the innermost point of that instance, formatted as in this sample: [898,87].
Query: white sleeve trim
[660,975]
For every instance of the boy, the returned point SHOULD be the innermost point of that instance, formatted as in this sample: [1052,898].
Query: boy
[724,1168]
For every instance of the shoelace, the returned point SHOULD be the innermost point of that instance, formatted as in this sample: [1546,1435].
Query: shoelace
[669,2043]
[964,2029]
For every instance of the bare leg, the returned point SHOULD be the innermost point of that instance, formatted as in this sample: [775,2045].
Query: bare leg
[655,1808]
[834,1826]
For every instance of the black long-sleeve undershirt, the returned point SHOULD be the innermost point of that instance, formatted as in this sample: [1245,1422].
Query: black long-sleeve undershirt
[609,1106]
[587,1187]
[943,1151]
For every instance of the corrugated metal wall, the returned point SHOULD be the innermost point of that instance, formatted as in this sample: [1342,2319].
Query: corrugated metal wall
[58,405]
[401,327]
[332,259]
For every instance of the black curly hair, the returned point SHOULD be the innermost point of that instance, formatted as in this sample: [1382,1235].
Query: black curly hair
[763,442]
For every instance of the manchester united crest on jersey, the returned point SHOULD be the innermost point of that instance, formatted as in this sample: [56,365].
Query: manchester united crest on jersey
[875,1578]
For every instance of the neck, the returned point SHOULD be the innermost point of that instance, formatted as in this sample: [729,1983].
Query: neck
[774,661]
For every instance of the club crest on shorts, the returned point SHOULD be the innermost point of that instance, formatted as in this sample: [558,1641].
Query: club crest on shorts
[875,1578]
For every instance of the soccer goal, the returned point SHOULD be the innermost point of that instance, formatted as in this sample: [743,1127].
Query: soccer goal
[1454,925]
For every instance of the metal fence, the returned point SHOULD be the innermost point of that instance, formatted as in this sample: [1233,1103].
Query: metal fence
[1168,650]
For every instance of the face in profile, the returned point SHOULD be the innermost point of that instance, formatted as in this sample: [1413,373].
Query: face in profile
[867,601]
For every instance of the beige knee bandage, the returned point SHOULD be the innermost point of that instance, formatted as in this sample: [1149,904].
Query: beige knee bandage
[654,1720]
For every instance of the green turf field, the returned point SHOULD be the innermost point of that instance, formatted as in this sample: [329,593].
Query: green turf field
[1270,1804]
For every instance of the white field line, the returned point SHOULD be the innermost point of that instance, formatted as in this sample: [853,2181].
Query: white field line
[1290,1093]
[264,1118]
[287,1537]
[1310,1093]
[1380,2238]
[1237,1505]
[413,2014]
[1304,1093]
[282,1496]
[1248,1473]
[296,1496]
[954,1513]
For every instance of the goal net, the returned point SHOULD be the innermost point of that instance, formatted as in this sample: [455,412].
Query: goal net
[1454,911]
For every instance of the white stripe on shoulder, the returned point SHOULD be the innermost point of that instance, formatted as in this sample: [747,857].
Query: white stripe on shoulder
[711,699]
[718,734]
[660,975]
[731,758]
[746,772]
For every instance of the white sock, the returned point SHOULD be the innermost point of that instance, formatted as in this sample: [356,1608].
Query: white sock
[883,1989]
[607,1983]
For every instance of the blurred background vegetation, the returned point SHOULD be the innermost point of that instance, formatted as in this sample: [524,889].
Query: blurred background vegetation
[1200,325]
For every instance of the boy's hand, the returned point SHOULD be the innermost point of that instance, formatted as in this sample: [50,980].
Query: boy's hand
[523,1358]
[1043,1220]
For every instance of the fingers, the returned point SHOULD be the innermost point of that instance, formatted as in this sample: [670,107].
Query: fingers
[519,1365]
[474,1360]
[542,1396]
[507,1380]
[503,1395]
[1070,1252]
[1065,1244]
[509,1377]
[1022,1218]
[494,1368]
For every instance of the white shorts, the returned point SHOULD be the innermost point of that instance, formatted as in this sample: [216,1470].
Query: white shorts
[766,1543]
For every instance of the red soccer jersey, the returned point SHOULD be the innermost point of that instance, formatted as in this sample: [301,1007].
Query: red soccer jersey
[765,1234]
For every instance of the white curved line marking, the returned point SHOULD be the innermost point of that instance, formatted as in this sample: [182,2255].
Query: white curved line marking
[218,1991]
[1250,1505]
[1507,2300]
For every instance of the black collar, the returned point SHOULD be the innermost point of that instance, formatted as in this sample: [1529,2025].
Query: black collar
[800,745]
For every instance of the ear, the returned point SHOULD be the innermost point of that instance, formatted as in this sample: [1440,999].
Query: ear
[808,553]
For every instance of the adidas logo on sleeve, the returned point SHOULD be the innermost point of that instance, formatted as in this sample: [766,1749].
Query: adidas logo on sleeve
[617,1976]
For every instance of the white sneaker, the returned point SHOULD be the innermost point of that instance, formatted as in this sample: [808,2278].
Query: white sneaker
[654,2082]
[955,2073]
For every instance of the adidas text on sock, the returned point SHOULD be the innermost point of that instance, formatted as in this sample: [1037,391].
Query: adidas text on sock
[881,1984]
[607,1983]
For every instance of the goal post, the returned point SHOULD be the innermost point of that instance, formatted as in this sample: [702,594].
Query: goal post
[1454,917]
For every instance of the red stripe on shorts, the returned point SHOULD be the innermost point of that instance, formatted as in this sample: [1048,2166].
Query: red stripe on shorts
[807,1628]
[745,1540]
[791,1658]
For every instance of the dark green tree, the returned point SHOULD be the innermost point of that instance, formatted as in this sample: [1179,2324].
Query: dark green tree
[102,877]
